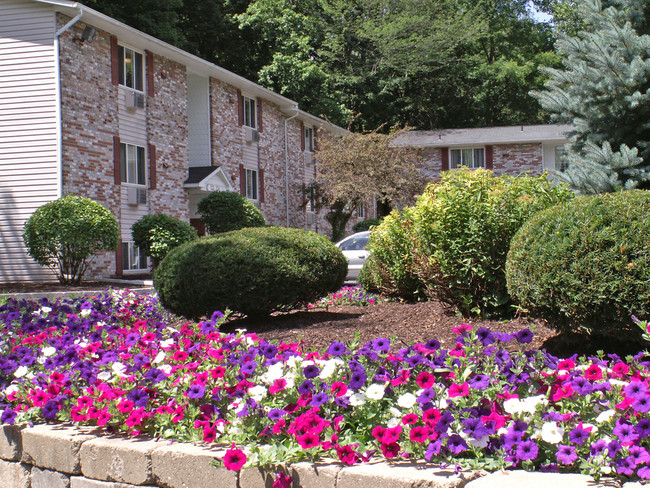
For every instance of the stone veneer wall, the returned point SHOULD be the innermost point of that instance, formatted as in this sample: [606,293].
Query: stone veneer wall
[89,122]
[61,456]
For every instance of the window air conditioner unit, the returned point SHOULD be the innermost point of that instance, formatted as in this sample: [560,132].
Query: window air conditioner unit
[137,196]
[252,135]
[134,101]
[310,218]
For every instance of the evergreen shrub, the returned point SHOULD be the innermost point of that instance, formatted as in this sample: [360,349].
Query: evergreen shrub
[462,227]
[65,233]
[366,224]
[388,269]
[223,211]
[158,234]
[585,263]
[252,271]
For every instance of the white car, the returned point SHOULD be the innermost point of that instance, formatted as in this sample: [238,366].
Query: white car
[354,250]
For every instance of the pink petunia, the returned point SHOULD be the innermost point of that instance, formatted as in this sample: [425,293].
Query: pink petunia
[456,390]
[278,385]
[338,389]
[308,440]
[425,380]
[234,459]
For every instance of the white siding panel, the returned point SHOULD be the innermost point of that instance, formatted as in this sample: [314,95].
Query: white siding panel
[133,123]
[198,109]
[130,214]
[28,129]
[250,155]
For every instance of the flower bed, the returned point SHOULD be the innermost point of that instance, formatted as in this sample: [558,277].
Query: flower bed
[115,361]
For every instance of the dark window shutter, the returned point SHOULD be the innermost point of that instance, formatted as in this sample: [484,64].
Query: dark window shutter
[489,157]
[259,115]
[117,161]
[444,157]
[150,88]
[302,136]
[119,259]
[304,197]
[152,167]
[315,140]
[261,185]
[115,58]
[242,180]
[240,108]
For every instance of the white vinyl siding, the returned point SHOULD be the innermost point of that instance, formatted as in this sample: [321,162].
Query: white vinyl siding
[198,122]
[132,123]
[29,161]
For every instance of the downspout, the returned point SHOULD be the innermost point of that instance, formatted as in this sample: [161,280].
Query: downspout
[59,118]
[286,161]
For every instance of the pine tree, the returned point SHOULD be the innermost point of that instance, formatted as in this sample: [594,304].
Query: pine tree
[604,91]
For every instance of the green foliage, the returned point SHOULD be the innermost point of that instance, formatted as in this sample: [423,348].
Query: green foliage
[65,233]
[604,91]
[158,234]
[389,266]
[366,224]
[585,263]
[253,271]
[462,228]
[223,211]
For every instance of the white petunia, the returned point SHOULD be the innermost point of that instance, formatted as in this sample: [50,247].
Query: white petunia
[85,312]
[329,368]
[395,412]
[11,389]
[48,351]
[393,423]
[45,310]
[357,399]
[167,343]
[274,372]
[160,357]
[104,376]
[605,416]
[407,400]
[480,443]
[552,433]
[375,391]
[258,392]
[21,371]
[119,369]
[166,368]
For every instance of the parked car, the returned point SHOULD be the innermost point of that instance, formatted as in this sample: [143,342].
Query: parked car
[354,249]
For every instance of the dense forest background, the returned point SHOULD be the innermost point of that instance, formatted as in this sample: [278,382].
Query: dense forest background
[367,64]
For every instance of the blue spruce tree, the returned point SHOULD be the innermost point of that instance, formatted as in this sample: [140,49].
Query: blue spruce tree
[604,91]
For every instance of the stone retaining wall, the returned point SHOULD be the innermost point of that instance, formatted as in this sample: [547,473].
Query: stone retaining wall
[60,456]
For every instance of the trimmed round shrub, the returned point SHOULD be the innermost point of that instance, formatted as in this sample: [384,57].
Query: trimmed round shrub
[158,234]
[253,271]
[366,224]
[223,211]
[64,235]
[388,269]
[462,227]
[585,264]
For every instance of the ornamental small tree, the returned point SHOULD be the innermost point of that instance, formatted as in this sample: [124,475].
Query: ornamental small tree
[604,91]
[64,235]
[223,211]
[158,234]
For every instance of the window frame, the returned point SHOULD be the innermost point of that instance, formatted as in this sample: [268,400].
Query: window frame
[138,58]
[309,139]
[560,153]
[139,164]
[250,112]
[252,184]
[462,152]
[361,211]
[133,258]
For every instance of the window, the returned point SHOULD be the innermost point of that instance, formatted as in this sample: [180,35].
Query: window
[355,243]
[470,157]
[131,68]
[561,164]
[133,164]
[312,198]
[361,211]
[249,113]
[133,257]
[309,139]
[251,184]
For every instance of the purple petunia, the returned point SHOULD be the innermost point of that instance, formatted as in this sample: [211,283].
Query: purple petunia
[485,336]
[318,399]
[527,450]
[636,389]
[154,375]
[578,436]
[524,336]
[456,444]
[8,416]
[625,432]
[139,397]
[566,454]
[336,349]
[357,380]
[642,427]
[248,368]
[196,391]
[311,371]
[305,387]
[276,413]
[479,382]
[381,344]
[581,385]
[598,447]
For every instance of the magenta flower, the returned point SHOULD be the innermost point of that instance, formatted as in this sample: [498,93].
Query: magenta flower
[234,459]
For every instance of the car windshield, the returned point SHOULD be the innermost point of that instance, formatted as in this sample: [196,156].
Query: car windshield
[354,243]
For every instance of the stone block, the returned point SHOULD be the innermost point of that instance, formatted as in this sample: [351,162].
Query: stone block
[80,482]
[113,458]
[256,478]
[519,478]
[54,447]
[308,475]
[11,442]
[403,475]
[189,466]
[14,475]
[43,478]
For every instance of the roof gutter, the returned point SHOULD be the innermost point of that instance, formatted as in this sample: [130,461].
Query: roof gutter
[59,118]
[286,160]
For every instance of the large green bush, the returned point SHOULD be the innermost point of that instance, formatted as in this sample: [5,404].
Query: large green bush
[253,271]
[462,231]
[64,235]
[223,211]
[586,263]
[388,269]
[366,224]
[158,234]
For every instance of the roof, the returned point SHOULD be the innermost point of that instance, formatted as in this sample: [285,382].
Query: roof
[194,64]
[518,134]
[199,173]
